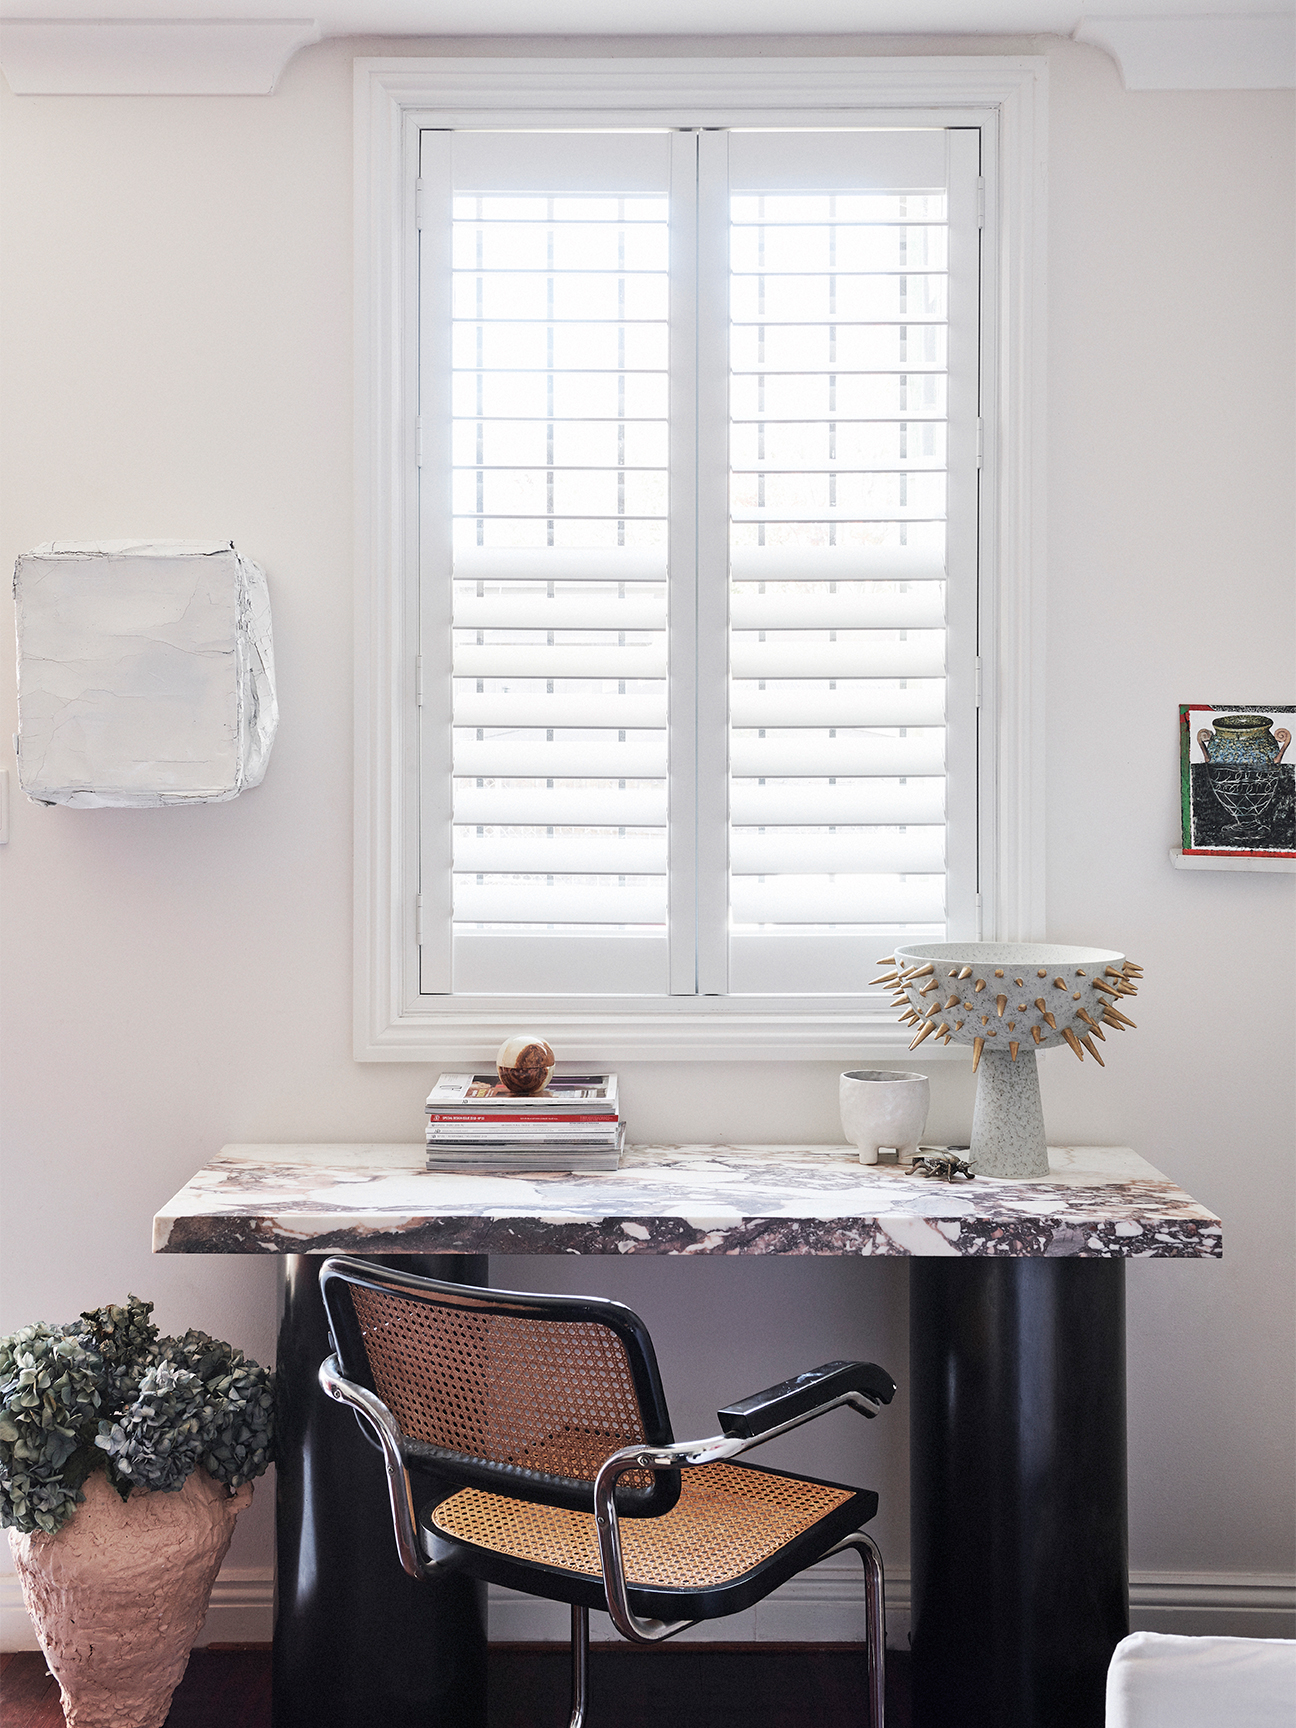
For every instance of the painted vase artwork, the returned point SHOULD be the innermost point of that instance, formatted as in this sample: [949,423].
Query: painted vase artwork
[1237,788]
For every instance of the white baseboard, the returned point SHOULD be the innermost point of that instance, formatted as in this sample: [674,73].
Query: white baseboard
[241,1610]
[824,1605]
[1223,1604]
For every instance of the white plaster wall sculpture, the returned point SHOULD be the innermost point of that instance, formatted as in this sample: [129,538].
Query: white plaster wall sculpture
[1008,1000]
[881,1107]
[145,673]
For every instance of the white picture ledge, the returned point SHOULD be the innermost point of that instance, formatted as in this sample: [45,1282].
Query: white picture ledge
[1222,861]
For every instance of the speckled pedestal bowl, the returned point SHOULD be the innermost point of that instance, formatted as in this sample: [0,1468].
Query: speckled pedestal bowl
[1008,1000]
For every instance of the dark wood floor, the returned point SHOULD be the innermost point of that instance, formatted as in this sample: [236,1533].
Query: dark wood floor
[723,1686]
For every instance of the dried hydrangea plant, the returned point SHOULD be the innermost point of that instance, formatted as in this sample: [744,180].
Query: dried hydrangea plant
[107,1392]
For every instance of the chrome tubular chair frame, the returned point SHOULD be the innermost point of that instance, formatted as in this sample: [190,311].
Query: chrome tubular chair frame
[387,1432]
[713,1450]
[874,1619]
[579,1666]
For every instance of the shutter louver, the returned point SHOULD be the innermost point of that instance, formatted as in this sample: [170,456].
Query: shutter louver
[838,507]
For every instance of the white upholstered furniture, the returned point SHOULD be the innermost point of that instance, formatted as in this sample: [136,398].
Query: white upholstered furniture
[1159,1680]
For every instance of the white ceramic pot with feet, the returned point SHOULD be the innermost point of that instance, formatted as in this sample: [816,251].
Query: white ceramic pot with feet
[883,1108]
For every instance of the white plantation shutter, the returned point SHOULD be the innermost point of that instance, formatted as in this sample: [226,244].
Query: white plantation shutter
[841,566]
[697,558]
[553,554]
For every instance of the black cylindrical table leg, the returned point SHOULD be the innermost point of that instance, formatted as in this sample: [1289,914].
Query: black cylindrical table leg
[1017,1490]
[357,1641]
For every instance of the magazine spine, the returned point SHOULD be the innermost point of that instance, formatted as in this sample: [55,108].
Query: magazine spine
[534,1117]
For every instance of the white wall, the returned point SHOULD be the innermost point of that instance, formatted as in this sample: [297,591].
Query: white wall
[177,361]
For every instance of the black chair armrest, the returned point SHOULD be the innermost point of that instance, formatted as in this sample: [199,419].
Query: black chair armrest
[829,1384]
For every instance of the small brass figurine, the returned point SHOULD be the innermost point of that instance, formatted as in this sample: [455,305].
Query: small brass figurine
[942,1162]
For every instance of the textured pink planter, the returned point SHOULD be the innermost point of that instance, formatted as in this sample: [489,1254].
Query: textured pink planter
[119,1594]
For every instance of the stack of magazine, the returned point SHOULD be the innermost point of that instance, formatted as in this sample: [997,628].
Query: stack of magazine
[475,1125]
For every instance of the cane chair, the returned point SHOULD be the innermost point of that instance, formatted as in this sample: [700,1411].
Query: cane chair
[542,1423]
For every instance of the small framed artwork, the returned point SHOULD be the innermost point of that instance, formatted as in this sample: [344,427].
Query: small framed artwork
[1237,786]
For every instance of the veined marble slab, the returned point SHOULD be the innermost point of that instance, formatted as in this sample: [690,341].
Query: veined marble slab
[378,1199]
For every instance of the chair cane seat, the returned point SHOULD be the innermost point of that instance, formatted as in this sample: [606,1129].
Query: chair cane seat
[731,1521]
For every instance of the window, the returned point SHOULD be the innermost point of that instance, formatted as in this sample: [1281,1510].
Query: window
[694,562]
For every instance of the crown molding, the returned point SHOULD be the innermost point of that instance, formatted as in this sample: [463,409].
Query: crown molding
[139,57]
[1256,51]
[245,57]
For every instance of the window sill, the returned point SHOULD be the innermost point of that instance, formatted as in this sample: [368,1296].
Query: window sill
[689,1030]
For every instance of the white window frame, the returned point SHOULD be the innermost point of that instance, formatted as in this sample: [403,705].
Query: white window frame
[394,99]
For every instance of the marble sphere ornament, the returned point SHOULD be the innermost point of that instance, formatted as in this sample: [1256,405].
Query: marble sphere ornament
[1009,1000]
[524,1064]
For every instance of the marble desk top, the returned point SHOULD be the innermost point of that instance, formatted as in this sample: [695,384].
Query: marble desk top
[378,1199]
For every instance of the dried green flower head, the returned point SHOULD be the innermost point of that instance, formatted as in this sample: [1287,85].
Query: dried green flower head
[49,1403]
[203,1400]
[238,1439]
[124,1334]
[158,1441]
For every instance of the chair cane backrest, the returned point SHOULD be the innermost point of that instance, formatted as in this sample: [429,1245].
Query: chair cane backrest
[497,1389]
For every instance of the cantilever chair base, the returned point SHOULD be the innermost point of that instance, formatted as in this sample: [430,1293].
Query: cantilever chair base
[874,1619]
